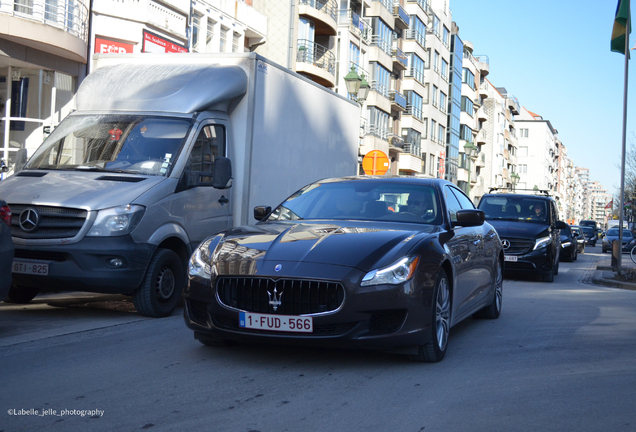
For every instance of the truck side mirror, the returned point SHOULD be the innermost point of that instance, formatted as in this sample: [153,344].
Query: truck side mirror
[222,177]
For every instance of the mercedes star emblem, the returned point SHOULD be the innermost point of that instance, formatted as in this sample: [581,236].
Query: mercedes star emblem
[29,219]
[506,244]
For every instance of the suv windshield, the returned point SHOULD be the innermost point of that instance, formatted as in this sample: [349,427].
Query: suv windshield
[115,143]
[613,232]
[514,208]
[588,230]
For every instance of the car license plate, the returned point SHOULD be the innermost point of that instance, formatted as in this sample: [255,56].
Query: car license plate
[25,267]
[282,323]
[510,258]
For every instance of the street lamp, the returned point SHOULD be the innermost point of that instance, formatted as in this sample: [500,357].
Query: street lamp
[471,150]
[357,86]
[515,180]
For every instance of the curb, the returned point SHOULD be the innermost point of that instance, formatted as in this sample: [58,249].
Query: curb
[599,279]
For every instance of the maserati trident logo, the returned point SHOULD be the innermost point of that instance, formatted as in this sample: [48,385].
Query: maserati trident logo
[275,301]
[506,244]
[29,219]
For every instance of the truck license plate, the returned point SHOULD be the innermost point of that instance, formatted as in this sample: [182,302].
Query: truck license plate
[282,323]
[24,267]
[511,258]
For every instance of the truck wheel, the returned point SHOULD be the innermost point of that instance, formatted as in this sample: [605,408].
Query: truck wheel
[21,294]
[161,289]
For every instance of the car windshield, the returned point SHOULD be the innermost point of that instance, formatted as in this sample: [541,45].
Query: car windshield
[613,232]
[114,143]
[587,230]
[514,208]
[366,199]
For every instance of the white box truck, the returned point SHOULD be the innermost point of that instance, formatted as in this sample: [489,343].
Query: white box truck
[161,152]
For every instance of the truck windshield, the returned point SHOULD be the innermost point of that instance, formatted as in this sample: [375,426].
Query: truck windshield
[115,143]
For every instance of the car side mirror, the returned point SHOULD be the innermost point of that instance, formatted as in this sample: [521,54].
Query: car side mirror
[469,218]
[260,212]
[561,225]
[222,177]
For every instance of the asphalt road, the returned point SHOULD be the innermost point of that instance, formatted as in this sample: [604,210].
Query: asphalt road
[562,357]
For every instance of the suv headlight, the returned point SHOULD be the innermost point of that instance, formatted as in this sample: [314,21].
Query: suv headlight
[398,272]
[542,242]
[566,244]
[116,221]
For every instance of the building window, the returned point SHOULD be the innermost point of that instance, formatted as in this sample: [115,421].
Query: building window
[523,169]
[442,133]
[223,44]
[235,42]
[445,36]
[413,104]
[381,79]
[467,106]
[412,141]
[523,133]
[433,130]
[465,133]
[196,31]
[378,123]
[523,151]
[445,69]
[436,62]
[354,54]
[442,102]
[416,67]
[417,30]
[209,37]
[431,164]
[436,25]
[468,78]
[382,35]
[434,95]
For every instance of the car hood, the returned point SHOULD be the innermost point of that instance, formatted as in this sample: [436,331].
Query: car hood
[77,189]
[519,229]
[353,244]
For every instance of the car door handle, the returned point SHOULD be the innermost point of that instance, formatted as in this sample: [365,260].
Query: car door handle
[223,200]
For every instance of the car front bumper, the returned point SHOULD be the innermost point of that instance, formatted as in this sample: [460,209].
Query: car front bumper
[385,317]
[86,265]
[537,261]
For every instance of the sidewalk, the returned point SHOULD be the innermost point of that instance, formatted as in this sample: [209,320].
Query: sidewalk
[604,275]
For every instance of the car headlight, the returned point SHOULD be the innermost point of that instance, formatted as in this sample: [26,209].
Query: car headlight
[199,264]
[397,273]
[542,242]
[566,244]
[116,221]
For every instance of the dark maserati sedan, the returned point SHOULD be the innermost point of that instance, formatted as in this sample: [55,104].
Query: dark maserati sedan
[388,263]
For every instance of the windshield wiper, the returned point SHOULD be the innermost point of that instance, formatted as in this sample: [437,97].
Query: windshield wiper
[87,168]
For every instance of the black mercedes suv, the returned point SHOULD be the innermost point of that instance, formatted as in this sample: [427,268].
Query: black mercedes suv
[529,229]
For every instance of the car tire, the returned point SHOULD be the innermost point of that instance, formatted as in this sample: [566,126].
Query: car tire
[555,268]
[548,277]
[21,294]
[576,255]
[493,310]
[162,287]
[435,349]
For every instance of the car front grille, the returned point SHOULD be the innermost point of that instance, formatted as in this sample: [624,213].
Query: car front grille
[51,222]
[518,246]
[282,296]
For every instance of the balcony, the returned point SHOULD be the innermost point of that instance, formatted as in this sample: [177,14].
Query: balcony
[481,137]
[483,64]
[323,13]
[513,104]
[481,160]
[483,89]
[481,114]
[400,60]
[317,62]
[59,28]
[398,101]
[396,142]
[401,16]
[358,26]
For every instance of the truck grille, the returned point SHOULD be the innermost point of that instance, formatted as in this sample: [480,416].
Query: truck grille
[296,296]
[46,222]
[519,246]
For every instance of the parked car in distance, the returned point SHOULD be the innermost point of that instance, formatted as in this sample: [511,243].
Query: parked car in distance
[529,230]
[590,235]
[580,238]
[569,250]
[613,234]
[592,224]
[389,263]
[6,249]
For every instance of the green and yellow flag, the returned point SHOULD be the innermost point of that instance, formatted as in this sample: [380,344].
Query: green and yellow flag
[620,23]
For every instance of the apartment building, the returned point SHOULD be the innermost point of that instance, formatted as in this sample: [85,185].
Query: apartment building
[583,196]
[496,163]
[538,152]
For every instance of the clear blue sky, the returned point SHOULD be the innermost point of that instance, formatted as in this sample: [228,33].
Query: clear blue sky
[554,57]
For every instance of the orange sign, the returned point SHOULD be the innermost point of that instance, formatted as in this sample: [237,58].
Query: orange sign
[375,162]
